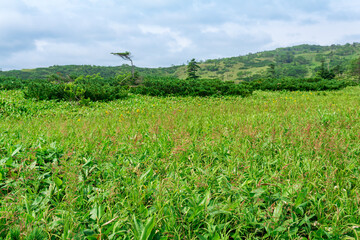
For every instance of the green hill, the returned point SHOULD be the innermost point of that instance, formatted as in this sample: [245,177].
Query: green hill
[298,61]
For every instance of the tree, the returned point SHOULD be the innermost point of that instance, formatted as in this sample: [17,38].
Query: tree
[355,67]
[285,57]
[271,73]
[192,67]
[127,56]
[325,72]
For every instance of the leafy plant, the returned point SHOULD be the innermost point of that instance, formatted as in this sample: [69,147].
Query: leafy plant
[82,89]
[167,86]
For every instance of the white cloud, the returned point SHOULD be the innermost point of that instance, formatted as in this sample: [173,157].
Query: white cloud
[164,32]
[174,40]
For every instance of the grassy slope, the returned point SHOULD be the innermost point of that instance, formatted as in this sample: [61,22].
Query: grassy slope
[226,68]
[274,164]
[329,54]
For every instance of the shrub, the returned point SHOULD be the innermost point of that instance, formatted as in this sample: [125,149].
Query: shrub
[11,83]
[293,84]
[44,90]
[169,86]
[94,88]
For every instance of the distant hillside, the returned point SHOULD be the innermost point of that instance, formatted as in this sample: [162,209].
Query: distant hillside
[77,70]
[298,61]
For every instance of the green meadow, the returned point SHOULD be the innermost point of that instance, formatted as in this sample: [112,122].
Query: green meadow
[274,165]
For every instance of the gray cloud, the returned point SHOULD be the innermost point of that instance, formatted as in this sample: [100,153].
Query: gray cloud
[163,32]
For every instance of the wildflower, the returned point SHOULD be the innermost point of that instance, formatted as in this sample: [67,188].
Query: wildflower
[78,120]
[106,112]
[137,110]
[316,223]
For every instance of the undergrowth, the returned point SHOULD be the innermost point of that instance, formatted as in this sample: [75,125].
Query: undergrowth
[274,165]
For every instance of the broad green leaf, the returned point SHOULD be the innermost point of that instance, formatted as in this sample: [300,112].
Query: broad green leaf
[201,237]
[88,232]
[16,151]
[278,211]
[258,192]
[301,197]
[216,236]
[146,231]
[58,182]
[280,229]
[97,212]
[138,228]
[206,199]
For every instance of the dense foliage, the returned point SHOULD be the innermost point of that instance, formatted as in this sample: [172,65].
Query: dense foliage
[306,84]
[84,70]
[166,86]
[301,61]
[191,69]
[11,83]
[274,165]
[89,88]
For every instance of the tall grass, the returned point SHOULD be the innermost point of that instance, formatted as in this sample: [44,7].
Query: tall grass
[279,165]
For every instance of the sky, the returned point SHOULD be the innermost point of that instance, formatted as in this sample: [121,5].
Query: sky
[161,33]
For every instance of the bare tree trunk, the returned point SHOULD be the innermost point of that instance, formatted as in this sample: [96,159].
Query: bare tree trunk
[132,69]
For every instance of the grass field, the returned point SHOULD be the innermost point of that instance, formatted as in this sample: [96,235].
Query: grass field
[276,165]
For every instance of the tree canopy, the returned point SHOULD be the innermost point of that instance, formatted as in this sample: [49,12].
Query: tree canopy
[192,67]
[126,56]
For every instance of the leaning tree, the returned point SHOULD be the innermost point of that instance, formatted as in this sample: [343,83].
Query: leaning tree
[126,56]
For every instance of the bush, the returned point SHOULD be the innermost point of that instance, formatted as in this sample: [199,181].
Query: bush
[11,83]
[169,86]
[44,90]
[293,84]
[94,88]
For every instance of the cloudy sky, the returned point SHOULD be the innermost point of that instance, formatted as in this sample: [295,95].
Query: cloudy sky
[41,33]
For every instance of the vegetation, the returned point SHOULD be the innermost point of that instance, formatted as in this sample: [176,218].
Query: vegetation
[293,84]
[82,89]
[11,83]
[273,158]
[325,73]
[165,86]
[302,61]
[355,68]
[74,71]
[127,56]
[181,167]
[192,68]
